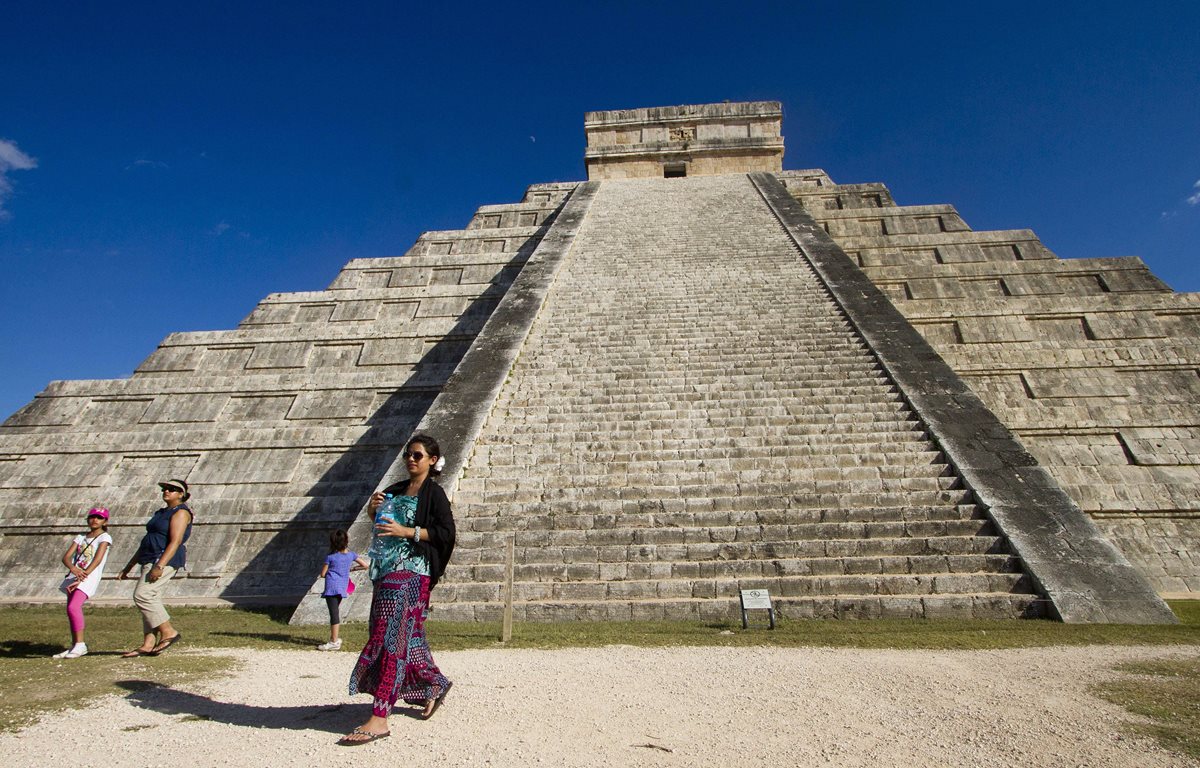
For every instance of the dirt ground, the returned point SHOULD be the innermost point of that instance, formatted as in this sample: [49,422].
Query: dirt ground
[622,706]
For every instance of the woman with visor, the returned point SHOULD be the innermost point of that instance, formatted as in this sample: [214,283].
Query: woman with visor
[161,554]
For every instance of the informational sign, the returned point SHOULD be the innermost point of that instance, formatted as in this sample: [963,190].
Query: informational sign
[756,600]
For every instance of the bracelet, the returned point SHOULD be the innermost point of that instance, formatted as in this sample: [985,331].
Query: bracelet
[417,534]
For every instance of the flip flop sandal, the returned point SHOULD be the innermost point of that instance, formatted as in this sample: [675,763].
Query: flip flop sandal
[436,703]
[164,645]
[346,741]
[135,653]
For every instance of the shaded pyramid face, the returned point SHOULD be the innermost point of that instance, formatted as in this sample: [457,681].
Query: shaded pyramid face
[667,390]
[281,426]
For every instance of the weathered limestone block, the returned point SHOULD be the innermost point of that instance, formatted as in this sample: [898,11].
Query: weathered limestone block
[1164,547]
[1104,349]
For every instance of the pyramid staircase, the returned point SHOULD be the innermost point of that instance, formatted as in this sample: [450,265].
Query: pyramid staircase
[692,415]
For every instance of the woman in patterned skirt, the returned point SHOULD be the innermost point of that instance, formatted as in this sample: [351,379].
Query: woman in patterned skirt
[414,538]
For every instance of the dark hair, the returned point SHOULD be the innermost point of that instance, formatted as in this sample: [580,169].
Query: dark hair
[430,445]
[338,540]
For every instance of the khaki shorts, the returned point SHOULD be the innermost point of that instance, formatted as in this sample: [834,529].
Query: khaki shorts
[148,597]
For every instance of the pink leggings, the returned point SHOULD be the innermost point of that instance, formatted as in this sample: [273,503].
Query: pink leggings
[75,603]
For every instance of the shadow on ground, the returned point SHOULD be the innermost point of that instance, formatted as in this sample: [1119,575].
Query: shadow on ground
[23,649]
[273,637]
[333,718]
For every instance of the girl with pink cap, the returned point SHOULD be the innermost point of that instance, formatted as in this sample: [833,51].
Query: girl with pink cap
[85,560]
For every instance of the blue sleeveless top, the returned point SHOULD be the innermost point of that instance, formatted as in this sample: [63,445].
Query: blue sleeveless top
[158,533]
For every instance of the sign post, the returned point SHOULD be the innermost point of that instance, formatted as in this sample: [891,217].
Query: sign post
[510,557]
[756,599]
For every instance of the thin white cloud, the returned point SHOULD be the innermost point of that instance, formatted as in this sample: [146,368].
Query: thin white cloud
[1194,198]
[11,159]
[147,164]
[219,229]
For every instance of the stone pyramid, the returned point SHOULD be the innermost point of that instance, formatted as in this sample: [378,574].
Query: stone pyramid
[693,374]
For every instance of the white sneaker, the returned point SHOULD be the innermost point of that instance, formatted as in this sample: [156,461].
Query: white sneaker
[61,654]
[76,652]
[330,646]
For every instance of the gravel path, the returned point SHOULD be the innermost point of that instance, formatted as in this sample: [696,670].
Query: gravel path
[623,706]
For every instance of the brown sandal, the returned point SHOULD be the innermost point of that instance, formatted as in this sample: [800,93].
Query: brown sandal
[346,741]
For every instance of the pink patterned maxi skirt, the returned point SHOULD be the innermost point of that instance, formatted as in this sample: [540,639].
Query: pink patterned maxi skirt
[396,662]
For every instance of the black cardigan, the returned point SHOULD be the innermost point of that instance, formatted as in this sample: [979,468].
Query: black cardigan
[434,515]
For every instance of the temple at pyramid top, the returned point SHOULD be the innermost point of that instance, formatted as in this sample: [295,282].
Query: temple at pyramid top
[690,140]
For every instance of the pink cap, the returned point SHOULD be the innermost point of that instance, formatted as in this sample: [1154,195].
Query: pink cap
[100,512]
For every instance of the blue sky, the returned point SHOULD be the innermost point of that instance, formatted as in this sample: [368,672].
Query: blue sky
[163,166]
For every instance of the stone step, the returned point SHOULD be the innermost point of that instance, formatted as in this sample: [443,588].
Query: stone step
[616,387]
[750,482]
[729,586]
[729,417]
[517,464]
[838,497]
[630,348]
[1001,605]
[696,335]
[662,386]
[825,444]
[816,339]
[716,395]
[673,432]
[799,410]
[599,443]
[647,366]
[921,490]
[586,540]
[652,549]
[699,519]
[767,565]
[708,397]
[749,409]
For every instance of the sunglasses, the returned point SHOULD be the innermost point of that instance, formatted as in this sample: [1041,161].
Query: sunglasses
[414,455]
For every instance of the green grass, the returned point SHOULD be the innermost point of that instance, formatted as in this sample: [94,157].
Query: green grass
[28,636]
[1168,694]
[35,683]
[883,633]
[33,686]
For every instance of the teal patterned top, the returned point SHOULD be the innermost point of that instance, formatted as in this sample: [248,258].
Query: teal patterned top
[395,553]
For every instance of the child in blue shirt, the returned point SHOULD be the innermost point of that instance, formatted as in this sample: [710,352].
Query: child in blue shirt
[336,572]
